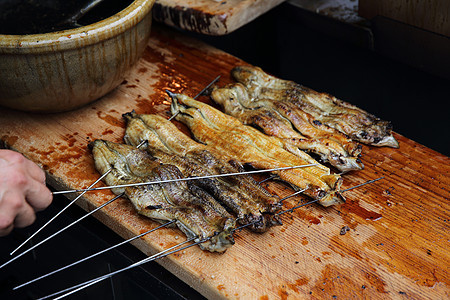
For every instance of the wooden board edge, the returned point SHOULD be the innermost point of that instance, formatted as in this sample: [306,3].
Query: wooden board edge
[209,22]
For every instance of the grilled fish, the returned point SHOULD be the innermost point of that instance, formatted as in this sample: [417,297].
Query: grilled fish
[226,134]
[358,124]
[241,195]
[295,128]
[197,214]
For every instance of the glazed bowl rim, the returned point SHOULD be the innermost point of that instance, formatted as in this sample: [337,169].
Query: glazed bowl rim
[76,37]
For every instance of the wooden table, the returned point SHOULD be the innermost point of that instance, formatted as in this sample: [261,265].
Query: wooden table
[397,243]
[210,17]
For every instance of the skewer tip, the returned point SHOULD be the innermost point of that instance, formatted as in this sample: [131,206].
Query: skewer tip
[171,95]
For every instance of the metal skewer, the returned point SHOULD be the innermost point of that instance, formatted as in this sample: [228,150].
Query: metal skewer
[161,254]
[185,179]
[103,251]
[267,179]
[67,206]
[359,185]
[76,288]
[196,96]
[73,20]
[93,255]
[61,230]
[294,194]
[84,259]
[91,5]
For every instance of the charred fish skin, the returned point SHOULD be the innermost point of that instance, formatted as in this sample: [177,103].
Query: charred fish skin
[239,194]
[345,117]
[195,216]
[247,209]
[247,145]
[330,145]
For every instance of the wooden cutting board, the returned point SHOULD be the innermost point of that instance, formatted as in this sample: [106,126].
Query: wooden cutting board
[210,16]
[397,241]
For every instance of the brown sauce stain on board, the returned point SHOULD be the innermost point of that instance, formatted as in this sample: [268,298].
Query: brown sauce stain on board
[301,281]
[404,259]
[221,288]
[305,216]
[344,249]
[55,157]
[304,241]
[108,131]
[143,231]
[42,153]
[147,106]
[282,292]
[112,120]
[9,140]
[170,244]
[293,287]
[337,283]
[298,282]
[352,206]
[376,282]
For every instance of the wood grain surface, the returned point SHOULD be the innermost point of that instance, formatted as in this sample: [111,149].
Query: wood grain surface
[396,243]
[210,16]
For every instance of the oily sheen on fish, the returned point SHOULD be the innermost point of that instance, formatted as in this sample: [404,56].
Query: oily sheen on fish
[225,134]
[358,124]
[240,195]
[295,128]
[196,213]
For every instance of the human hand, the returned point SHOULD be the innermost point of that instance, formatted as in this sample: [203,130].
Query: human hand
[22,191]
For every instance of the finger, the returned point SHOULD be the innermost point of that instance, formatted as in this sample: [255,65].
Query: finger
[21,162]
[7,230]
[38,195]
[10,205]
[25,216]
[6,220]
[34,171]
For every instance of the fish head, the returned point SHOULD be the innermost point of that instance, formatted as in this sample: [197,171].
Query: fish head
[388,141]
[187,110]
[179,105]
[135,130]
[233,98]
[220,242]
[127,163]
[247,75]
[142,128]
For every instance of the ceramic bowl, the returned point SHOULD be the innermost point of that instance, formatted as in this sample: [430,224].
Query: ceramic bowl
[64,70]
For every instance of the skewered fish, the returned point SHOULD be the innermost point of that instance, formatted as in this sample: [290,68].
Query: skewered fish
[345,117]
[197,214]
[225,134]
[295,128]
[241,195]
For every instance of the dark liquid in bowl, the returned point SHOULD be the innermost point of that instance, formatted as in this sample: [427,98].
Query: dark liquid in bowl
[42,16]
